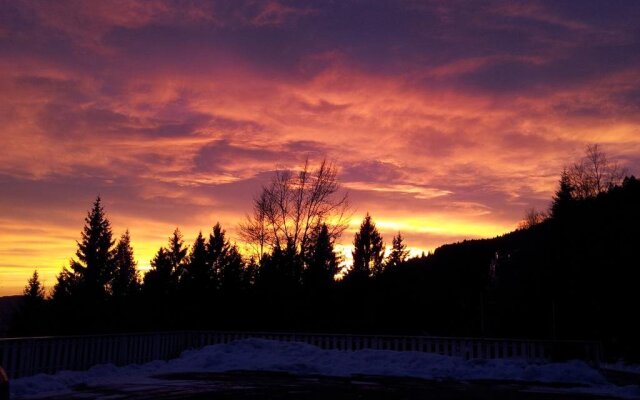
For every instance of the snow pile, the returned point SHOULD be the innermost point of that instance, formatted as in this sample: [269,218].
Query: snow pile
[299,358]
[623,367]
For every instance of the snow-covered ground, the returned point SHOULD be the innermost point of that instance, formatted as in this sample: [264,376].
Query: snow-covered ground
[299,358]
[623,367]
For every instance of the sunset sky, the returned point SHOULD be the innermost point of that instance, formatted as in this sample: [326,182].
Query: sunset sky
[446,119]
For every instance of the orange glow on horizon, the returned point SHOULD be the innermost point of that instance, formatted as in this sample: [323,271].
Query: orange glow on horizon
[50,253]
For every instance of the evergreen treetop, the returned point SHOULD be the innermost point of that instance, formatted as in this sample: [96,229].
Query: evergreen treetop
[368,252]
[563,196]
[322,261]
[197,275]
[177,253]
[399,252]
[126,281]
[95,252]
[34,291]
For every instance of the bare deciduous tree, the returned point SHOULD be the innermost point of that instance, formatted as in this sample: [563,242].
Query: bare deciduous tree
[532,217]
[255,231]
[594,174]
[292,205]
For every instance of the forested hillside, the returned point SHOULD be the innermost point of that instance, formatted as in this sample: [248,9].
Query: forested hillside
[573,275]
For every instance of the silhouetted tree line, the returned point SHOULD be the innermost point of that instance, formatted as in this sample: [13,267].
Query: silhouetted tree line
[568,273]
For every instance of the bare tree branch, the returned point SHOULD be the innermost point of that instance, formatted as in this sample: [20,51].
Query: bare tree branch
[594,174]
[532,217]
[293,205]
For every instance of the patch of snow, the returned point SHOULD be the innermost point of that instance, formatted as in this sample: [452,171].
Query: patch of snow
[623,367]
[300,358]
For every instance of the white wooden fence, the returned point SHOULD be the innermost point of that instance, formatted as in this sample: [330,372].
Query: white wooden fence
[28,356]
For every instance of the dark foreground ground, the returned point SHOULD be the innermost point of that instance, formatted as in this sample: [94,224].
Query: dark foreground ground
[265,386]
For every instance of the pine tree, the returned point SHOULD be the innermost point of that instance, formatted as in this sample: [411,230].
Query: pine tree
[368,252]
[167,267]
[231,271]
[177,253]
[160,280]
[34,291]
[291,265]
[322,261]
[281,271]
[32,316]
[95,253]
[564,195]
[217,251]
[126,281]
[398,253]
[67,284]
[197,277]
[225,260]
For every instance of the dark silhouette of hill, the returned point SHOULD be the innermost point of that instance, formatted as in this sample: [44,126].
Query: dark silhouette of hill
[574,275]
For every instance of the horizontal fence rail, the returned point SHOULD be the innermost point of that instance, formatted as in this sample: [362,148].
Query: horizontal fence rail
[29,356]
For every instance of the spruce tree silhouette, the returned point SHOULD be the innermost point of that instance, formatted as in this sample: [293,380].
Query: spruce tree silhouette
[125,287]
[34,291]
[32,317]
[217,252]
[321,266]
[563,196]
[322,261]
[283,268]
[177,254]
[398,254]
[368,252]
[126,281]
[162,284]
[95,254]
[80,294]
[167,268]
[231,272]
[196,279]
[67,283]
[160,280]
